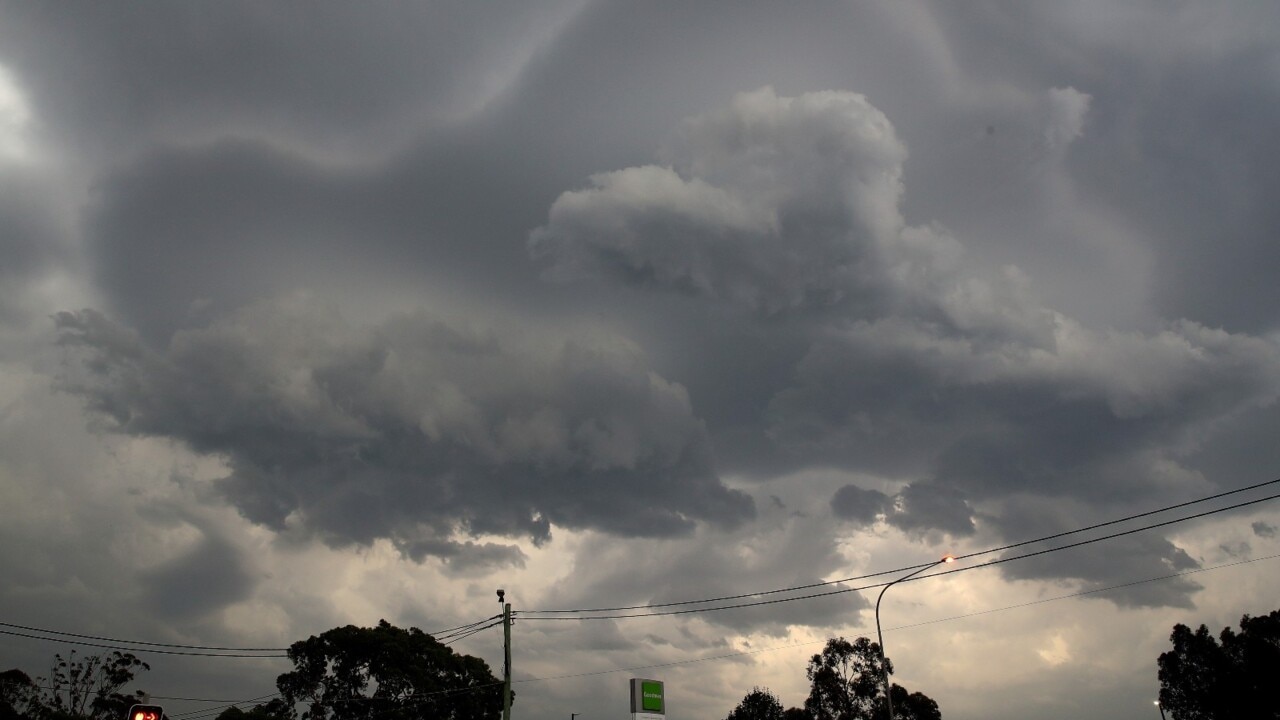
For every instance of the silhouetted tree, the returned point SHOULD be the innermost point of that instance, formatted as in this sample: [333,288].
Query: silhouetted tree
[86,688]
[846,683]
[759,704]
[844,680]
[412,677]
[909,706]
[277,709]
[1203,678]
[18,695]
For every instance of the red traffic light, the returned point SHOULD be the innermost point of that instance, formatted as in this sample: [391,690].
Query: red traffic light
[145,712]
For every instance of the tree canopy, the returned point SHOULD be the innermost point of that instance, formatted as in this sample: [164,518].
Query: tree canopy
[759,704]
[387,673]
[1230,677]
[84,688]
[846,682]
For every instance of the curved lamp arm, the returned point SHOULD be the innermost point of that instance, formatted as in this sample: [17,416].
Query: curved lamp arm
[884,664]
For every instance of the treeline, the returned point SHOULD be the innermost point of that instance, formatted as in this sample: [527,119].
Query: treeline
[84,688]
[347,673]
[1231,677]
[388,673]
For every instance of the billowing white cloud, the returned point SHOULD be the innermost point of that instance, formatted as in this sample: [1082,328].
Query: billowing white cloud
[776,204]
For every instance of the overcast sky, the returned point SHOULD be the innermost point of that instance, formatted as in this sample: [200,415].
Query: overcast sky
[317,314]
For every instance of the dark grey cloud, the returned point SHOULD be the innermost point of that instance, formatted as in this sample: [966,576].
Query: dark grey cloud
[468,558]
[31,242]
[1185,165]
[1263,529]
[922,508]
[414,430]
[189,233]
[859,505]
[213,565]
[782,548]
[1071,416]
[1121,561]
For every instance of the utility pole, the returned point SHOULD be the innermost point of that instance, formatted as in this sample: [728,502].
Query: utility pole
[506,654]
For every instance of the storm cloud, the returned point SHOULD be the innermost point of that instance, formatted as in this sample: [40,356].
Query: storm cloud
[360,312]
[413,430]
[920,362]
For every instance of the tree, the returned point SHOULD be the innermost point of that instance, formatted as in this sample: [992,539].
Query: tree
[846,683]
[1203,678]
[759,704]
[277,709]
[412,676]
[844,680]
[18,694]
[909,706]
[87,688]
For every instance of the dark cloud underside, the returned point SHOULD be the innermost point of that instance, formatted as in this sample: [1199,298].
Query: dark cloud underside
[413,430]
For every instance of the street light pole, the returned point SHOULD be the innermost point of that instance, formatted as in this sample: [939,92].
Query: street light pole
[1157,703]
[884,664]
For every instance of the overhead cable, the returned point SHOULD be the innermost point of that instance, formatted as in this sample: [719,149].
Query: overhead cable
[908,568]
[72,638]
[725,656]
[528,615]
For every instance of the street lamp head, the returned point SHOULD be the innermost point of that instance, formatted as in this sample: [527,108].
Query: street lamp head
[948,558]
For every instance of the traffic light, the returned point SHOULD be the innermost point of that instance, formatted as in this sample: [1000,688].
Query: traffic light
[145,712]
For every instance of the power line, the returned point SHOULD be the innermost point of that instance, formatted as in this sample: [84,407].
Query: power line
[170,697]
[208,712]
[146,646]
[743,653]
[150,650]
[472,632]
[444,633]
[1082,593]
[922,577]
[447,636]
[140,642]
[907,568]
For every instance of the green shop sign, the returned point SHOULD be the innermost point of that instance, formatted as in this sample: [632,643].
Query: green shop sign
[648,697]
[651,699]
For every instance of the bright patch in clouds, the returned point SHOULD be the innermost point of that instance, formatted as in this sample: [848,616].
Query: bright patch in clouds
[15,118]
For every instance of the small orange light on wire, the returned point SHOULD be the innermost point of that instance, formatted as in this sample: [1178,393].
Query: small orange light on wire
[948,558]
